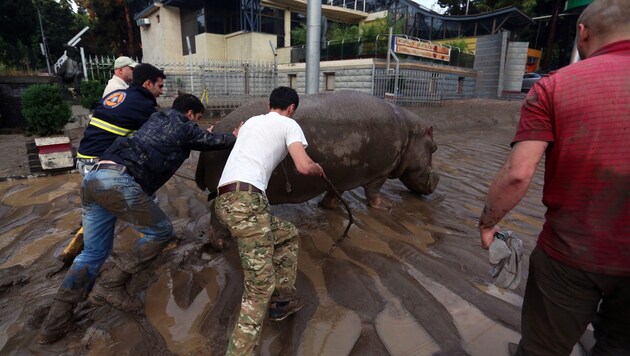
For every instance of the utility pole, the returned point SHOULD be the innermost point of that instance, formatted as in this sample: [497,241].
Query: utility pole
[313,43]
[44,45]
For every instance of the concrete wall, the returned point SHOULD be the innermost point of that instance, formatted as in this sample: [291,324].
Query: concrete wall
[452,83]
[165,33]
[515,65]
[489,62]
[251,46]
[500,65]
[210,46]
[348,75]
[357,75]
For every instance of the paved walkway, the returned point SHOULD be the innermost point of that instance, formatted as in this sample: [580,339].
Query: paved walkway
[14,157]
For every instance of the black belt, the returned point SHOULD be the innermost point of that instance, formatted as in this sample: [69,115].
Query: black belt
[238,187]
[112,166]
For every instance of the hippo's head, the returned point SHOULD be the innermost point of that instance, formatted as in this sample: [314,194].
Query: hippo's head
[417,173]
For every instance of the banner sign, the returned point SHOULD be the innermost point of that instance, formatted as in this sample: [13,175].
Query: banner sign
[422,49]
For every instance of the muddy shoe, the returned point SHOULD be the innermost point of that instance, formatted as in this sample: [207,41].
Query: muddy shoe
[116,297]
[281,310]
[57,324]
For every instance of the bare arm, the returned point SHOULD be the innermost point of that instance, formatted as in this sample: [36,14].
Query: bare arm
[509,186]
[303,162]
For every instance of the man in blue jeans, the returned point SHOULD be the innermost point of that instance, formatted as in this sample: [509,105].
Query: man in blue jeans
[120,186]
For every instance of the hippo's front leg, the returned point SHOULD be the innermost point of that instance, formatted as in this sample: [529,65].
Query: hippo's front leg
[374,196]
[330,200]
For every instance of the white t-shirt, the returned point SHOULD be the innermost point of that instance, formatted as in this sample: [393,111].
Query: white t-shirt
[114,84]
[262,143]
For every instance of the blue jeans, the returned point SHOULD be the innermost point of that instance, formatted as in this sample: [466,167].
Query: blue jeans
[107,195]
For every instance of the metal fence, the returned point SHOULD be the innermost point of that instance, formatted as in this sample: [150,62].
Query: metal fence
[409,87]
[221,85]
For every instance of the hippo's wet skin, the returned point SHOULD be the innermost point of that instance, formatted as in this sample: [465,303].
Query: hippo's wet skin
[358,139]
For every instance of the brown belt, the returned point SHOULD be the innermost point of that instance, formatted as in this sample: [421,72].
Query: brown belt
[238,187]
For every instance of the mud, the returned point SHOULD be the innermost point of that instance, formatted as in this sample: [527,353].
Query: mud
[409,281]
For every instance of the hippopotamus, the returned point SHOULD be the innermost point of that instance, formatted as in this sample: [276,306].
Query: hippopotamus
[360,141]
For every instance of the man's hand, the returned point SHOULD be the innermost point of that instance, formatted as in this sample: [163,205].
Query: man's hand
[235,132]
[319,171]
[209,129]
[487,235]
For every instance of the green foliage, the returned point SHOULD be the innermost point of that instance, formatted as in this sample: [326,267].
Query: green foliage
[458,43]
[45,110]
[298,36]
[370,30]
[18,27]
[91,93]
[338,32]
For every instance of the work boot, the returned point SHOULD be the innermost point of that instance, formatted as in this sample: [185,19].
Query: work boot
[111,289]
[58,322]
[281,310]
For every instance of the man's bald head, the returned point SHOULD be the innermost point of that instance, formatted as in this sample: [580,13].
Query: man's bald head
[601,23]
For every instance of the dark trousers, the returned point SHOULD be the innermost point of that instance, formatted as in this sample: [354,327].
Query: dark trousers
[560,302]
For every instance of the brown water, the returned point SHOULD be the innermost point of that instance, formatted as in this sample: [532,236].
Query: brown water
[409,281]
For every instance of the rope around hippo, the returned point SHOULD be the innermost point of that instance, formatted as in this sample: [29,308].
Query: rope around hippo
[350,218]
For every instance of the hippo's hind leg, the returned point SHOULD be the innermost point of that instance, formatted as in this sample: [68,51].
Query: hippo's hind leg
[374,196]
[330,200]
[217,233]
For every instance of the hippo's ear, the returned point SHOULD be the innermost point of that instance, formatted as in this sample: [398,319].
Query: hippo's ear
[430,131]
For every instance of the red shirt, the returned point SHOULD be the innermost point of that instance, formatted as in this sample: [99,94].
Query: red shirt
[583,111]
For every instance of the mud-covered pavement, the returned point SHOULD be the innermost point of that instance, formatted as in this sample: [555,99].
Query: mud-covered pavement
[409,281]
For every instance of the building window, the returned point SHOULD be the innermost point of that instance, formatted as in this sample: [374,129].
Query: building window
[201,22]
[460,85]
[272,21]
[329,79]
[293,81]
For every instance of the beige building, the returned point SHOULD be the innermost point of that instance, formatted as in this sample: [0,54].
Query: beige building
[248,29]
[167,27]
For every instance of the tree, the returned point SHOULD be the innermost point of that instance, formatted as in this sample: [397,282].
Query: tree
[18,27]
[112,27]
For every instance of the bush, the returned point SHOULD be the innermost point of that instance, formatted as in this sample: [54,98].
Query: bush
[91,93]
[45,110]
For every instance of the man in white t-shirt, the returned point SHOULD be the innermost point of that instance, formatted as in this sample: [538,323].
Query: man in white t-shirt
[123,74]
[268,246]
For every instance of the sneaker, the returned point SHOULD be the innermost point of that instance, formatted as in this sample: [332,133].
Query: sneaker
[281,310]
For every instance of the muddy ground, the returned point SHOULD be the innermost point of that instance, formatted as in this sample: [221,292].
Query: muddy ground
[409,281]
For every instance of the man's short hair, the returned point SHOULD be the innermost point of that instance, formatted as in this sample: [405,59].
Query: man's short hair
[282,97]
[186,102]
[144,71]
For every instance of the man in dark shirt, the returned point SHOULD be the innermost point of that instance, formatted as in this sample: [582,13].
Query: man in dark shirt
[120,186]
[120,113]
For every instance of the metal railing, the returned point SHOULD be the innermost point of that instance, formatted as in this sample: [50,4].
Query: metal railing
[375,48]
[408,87]
[221,85]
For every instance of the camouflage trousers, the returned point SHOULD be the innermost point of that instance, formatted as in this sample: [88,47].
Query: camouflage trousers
[268,248]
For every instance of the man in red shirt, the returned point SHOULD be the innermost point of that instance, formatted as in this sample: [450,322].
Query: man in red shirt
[579,118]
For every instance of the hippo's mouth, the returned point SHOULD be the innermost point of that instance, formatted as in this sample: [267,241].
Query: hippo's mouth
[424,183]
